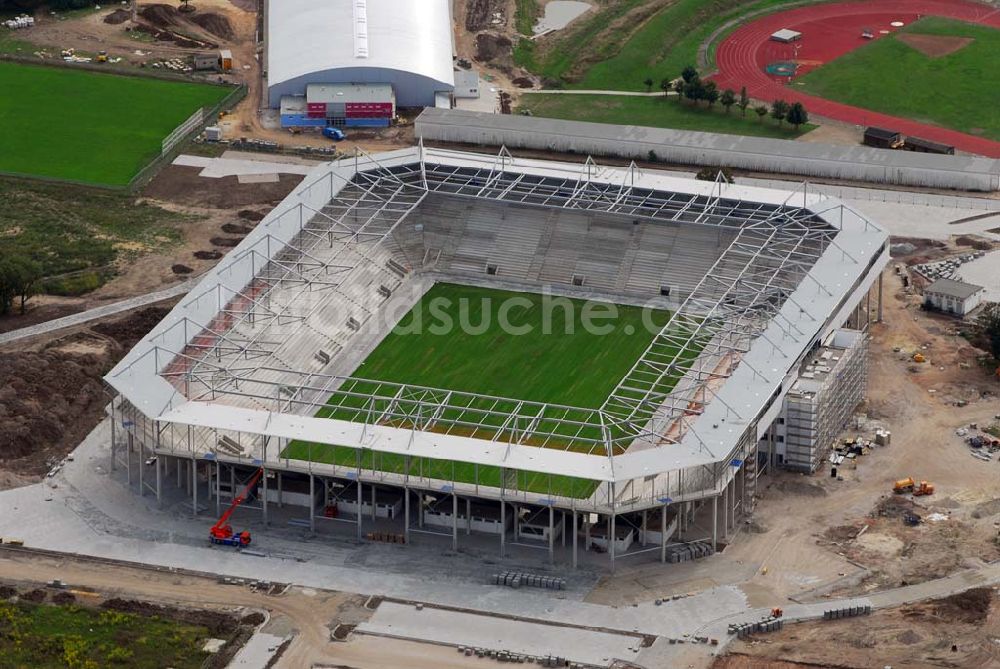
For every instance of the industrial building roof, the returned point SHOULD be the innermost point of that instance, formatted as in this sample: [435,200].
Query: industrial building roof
[952,288]
[349,93]
[306,36]
[765,148]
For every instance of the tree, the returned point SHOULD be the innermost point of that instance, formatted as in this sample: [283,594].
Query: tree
[694,90]
[666,86]
[779,110]
[710,93]
[679,85]
[761,112]
[989,324]
[744,101]
[728,99]
[649,84]
[18,279]
[797,115]
[689,74]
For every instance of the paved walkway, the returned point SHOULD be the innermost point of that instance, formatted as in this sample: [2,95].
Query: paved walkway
[99,312]
[635,94]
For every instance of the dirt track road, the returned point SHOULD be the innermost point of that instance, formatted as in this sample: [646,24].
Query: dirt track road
[306,613]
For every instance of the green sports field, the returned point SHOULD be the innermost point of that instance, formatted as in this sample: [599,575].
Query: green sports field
[545,355]
[88,126]
[956,90]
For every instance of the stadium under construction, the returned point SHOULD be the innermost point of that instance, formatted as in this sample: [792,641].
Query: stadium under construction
[276,361]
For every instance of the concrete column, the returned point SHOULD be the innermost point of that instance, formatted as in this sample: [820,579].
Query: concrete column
[128,458]
[517,522]
[503,527]
[232,482]
[218,488]
[420,510]
[880,298]
[562,525]
[468,516]
[574,538]
[142,466]
[312,502]
[663,534]
[725,512]
[194,487]
[406,515]
[114,449]
[586,533]
[180,481]
[359,510]
[715,521]
[159,479]
[374,509]
[454,522]
[552,536]
[263,496]
[279,490]
[642,538]
[612,542]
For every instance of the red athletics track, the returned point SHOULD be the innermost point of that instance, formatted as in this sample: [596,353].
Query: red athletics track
[829,31]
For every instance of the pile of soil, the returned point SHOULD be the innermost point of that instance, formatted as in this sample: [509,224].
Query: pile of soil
[63,598]
[6,592]
[974,242]
[523,82]
[162,35]
[235,229]
[180,269]
[218,623]
[118,16]
[215,24]
[224,242]
[894,506]
[39,421]
[491,47]
[36,596]
[479,14]
[254,619]
[971,606]
[208,255]
[250,215]
[161,15]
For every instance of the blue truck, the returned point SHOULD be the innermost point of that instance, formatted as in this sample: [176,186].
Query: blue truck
[336,134]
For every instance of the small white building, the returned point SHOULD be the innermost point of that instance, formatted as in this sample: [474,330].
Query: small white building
[786,36]
[953,297]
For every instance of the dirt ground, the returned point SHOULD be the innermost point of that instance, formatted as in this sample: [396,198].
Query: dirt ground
[935,46]
[38,373]
[959,631]
[308,614]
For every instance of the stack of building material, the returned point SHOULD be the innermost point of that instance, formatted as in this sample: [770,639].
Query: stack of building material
[690,551]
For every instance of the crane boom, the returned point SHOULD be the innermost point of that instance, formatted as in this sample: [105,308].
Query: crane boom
[222,532]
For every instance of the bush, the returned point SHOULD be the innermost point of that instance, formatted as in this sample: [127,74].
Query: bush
[76,284]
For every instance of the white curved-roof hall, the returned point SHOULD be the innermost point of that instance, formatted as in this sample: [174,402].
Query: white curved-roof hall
[406,43]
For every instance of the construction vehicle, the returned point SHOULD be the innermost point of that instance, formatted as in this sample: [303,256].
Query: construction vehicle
[908,485]
[222,532]
[102,57]
[777,612]
[919,357]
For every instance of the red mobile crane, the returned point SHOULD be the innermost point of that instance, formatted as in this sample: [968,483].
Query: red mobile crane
[222,533]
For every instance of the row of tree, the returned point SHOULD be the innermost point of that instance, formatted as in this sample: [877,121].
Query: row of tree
[691,87]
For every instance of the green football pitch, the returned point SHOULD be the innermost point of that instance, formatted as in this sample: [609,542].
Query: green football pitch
[956,90]
[504,344]
[90,127]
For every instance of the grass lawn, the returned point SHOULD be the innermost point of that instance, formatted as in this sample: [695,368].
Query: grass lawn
[562,364]
[620,57]
[90,127]
[957,90]
[72,228]
[51,637]
[658,112]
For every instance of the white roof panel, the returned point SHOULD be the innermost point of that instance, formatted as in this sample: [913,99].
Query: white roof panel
[306,36]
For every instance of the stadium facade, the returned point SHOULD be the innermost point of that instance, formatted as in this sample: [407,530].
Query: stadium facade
[242,373]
